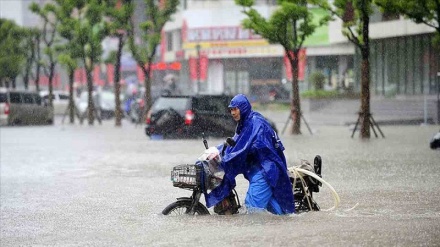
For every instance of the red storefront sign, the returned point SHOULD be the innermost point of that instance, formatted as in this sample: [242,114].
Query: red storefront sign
[158,66]
[140,74]
[44,80]
[198,72]
[97,76]
[110,73]
[80,76]
[301,65]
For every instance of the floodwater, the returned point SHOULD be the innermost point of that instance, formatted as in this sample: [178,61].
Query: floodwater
[78,185]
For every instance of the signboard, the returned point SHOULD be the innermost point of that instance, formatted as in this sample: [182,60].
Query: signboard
[220,34]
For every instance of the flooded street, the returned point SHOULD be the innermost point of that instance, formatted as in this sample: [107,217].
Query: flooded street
[105,186]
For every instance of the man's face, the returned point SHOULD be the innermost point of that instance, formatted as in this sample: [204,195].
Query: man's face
[235,112]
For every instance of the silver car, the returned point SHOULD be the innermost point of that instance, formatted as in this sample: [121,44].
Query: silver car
[23,108]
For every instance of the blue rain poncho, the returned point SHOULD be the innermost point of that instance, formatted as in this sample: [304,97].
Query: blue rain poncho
[258,150]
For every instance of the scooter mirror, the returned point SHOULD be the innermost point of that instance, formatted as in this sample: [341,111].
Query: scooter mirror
[205,142]
[230,141]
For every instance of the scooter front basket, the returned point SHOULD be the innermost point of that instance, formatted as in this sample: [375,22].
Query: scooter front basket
[186,176]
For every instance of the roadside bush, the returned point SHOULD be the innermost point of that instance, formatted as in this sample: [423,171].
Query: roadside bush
[317,79]
[334,94]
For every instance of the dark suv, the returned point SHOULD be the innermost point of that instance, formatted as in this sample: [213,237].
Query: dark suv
[190,116]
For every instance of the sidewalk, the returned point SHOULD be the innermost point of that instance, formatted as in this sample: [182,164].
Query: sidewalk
[408,111]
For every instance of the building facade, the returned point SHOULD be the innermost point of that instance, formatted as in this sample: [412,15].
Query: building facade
[218,55]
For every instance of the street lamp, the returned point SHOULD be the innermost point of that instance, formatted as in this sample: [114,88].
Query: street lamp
[198,67]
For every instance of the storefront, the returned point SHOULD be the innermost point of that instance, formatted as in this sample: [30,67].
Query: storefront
[226,59]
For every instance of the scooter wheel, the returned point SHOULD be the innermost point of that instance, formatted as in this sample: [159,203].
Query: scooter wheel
[182,208]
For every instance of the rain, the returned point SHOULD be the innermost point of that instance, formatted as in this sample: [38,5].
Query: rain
[78,166]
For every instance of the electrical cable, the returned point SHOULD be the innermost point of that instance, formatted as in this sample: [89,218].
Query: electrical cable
[297,170]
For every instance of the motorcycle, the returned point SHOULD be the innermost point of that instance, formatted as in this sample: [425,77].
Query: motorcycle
[206,174]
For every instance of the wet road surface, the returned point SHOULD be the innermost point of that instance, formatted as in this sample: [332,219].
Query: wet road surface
[98,185]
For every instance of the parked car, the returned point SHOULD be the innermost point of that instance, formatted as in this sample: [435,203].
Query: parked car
[104,102]
[435,141]
[60,101]
[23,108]
[190,116]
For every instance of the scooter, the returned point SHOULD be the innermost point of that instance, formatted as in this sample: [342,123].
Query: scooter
[206,174]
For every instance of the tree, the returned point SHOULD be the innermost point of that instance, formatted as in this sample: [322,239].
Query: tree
[84,26]
[50,40]
[119,16]
[426,12]
[355,15]
[289,25]
[38,63]
[69,58]
[11,52]
[157,14]
[29,48]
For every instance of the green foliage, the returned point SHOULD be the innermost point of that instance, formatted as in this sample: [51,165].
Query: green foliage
[156,18]
[317,79]
[111,58]
[354,14]
[288,26]
[426,12]
[67,60]
[157,13]
[12,54]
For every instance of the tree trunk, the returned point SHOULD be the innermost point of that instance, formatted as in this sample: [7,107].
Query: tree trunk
[365,74]
[38,65]
[26,79]
[51,74]
[295,105]
[71,101]
[14,82]
[147,84]
[118,111]
[37,77]
[91,105]
[365,98]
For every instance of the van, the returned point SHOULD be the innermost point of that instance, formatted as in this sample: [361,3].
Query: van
[23,108]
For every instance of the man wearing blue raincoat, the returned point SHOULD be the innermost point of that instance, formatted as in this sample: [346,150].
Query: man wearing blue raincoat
[258,155]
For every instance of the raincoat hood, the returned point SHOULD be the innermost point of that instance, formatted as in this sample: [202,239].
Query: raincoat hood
[242,103]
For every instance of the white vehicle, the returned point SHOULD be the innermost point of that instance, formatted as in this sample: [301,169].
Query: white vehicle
[60,101]
[104,102]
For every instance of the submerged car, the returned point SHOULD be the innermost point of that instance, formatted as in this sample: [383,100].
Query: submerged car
[23,108]
[190,116]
